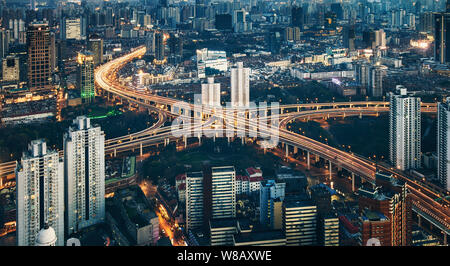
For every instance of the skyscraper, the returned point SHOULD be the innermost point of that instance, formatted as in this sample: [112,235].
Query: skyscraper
[442,36]
[84,154]
[95,46]
[376,74]
[240,85]
[159,46]
[211,93]
[297,17]
[85,76]
[404,129]
[40,193]
[349,37]
[39,56]
[443,143]
[223,192]
[194,200]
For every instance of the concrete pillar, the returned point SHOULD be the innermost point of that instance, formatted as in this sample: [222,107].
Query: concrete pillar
[295,149]
[115,152]
[308,160]
[199,140]
[298,109]
[317,158]
[445,238]
[140,148]
[185,142]
[229,140]
[329,168]
[287,150]
[242,141]
[353,182]
[419,220]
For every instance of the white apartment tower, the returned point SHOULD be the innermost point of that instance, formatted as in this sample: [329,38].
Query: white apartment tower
[84,154]
[223,192]
[211,93]
[443,143]
[194,200]
[40,194]
[240,86]
[404,130]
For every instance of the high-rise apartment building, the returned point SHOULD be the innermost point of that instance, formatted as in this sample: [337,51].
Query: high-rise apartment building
[211,93]
[404,129]
[194,200]
[84,172]
[85,76]
[40,193]
[240,86]
[39,56]
[223,192]
[443,144]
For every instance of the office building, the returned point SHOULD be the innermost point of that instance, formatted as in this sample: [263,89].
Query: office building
[39,56]
[85,76]
[223,192]
[221,231]
[300,222]
[271,196]
[404,129]
[40,194]
[328,229]
[194,200]
[95,46]
[84,157]
[240,86]
[443,144]
[211,93]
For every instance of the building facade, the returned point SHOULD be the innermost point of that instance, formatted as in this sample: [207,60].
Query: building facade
[404,130]
[84,167]
[223,192]
[443,144]
[40,194]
